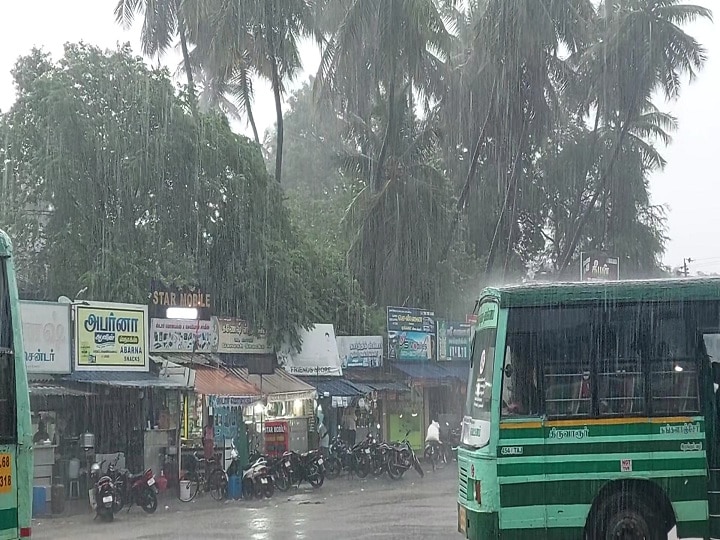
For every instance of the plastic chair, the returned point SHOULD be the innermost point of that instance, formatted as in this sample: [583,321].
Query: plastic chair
[74,478]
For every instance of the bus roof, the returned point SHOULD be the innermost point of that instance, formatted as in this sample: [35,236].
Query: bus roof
[547,294]
[5,244]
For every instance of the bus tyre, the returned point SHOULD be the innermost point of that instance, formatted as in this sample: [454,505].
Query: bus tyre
[626,516]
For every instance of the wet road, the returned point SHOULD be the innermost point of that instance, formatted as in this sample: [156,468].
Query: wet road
[342,508]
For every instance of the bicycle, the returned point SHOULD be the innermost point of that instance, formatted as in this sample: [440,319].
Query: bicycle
[216,482]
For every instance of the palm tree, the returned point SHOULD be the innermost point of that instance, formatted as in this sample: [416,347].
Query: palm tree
[381,51]
[238,40]
[641,49]
[163,22]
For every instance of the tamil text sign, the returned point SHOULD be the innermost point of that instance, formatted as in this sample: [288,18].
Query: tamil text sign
[360,351]
[236,336]
[599,268]
[454,340]
[111,337]
[46,336]
[179,335]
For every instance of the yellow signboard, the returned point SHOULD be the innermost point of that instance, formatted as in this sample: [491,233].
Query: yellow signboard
[111,336]
[6,479]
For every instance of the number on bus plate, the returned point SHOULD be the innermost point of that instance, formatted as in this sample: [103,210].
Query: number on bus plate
[263,480]
[5,473]
[107,499]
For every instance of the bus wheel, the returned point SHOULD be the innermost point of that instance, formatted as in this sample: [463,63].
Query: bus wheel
[627,517]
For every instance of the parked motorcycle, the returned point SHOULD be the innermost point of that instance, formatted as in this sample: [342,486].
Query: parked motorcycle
[139,489]
[341,458]
[402,457]
[308,467]
[102,494]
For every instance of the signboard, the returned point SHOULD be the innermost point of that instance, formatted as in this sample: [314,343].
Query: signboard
[360,351]
[411,334]
[453,340]
[318,354]
[277,438]
[164,296]
[236,336]
[599,268]
[180,336]
[111,337]
[46,336]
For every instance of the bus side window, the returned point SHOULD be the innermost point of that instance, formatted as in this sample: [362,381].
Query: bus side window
[7,363]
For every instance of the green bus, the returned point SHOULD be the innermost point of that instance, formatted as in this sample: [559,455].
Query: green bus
[592,412]
[15,427]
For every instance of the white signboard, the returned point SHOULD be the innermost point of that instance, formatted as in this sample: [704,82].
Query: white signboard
[360,351]
[318,355]
[46,336]
[180,336]
[236,336]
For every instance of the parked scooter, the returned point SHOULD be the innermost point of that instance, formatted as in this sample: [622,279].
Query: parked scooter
[102,494]
[257,480]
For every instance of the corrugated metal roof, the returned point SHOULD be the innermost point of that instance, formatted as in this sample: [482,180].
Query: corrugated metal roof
[278,386]
[131,379]
[186,358]
[219,382]
[376,379]
[45,390]
[429,371]
[388,386]
[334,386]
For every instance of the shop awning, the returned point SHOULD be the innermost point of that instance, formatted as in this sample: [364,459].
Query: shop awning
[278,386]
[388,386]
[334,387]
[220,382]
[202,359]
[429,373]
[376,379]
[129,379]
[47,390]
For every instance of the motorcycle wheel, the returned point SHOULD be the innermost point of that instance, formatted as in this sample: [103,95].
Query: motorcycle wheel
[378,468]
[269,489]
[248,490]
[362,468]
[333,468]
[149,500]
[107,514]
[418,468]
[316,477]
[118,503]
[282,481]
[394,470]
[259,490]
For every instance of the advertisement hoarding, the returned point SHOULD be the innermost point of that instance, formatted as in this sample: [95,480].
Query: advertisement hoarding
[597,267]
[454,340]
[111,337]
[46,336]
[180,336]
[360,351]
[232,335]
[411,334]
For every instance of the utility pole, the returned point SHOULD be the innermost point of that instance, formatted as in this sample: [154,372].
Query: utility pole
[684,268]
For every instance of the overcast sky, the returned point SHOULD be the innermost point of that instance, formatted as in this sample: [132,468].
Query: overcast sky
[687,186]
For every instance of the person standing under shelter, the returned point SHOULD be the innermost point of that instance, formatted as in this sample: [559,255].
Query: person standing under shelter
[324,435]
[209,443]
[350,424]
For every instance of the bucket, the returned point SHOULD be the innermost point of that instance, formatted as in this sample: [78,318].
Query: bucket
[184,490]
[39,503]
[234,488]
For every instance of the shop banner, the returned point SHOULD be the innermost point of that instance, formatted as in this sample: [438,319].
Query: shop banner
[46,336]
[453,340]
[318,354]
[180,336]
[236,336]
[599,267]
[360,351]
[111,337]
[411,334]
[164,296]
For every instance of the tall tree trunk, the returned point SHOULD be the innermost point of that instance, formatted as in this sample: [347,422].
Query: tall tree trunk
[251,120]
[187,65]
[377,180]
[280,126]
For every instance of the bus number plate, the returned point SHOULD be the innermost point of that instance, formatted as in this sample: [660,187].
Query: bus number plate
[5,473]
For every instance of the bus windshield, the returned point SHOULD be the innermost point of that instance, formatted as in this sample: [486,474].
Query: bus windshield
[480,391]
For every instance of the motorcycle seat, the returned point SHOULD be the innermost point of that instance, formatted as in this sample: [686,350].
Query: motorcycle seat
[135,477]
